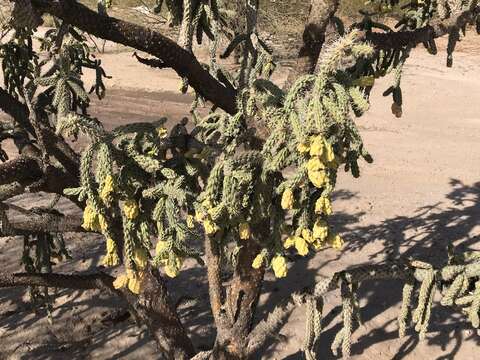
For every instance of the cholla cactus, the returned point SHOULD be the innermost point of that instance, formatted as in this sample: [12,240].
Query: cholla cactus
[253,178]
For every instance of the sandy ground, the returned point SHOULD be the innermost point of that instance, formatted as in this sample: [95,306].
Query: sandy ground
[421,193]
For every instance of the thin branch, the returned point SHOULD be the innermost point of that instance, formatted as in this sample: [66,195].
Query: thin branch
[146,40]
[55,144]
[23,169]
[66,281]
[154,63]
[436,29]
[37,222]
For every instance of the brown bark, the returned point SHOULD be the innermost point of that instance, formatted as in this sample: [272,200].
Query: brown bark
[151,307]
[234,312]
[56,145]
[38,223]
[26,171]
[23,169]
[65,281]
[143,39]
[319,17]
[321,12]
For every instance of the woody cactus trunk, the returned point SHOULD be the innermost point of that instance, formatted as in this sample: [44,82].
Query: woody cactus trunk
[252,180]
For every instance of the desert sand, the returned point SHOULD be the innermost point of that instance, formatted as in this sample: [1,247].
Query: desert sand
[421,192]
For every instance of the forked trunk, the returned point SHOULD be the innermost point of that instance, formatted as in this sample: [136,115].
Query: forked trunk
[234,317]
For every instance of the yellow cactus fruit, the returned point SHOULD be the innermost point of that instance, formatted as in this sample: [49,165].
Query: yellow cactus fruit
[135,284]
[316,172]
[161,246]
[162,132]
[279,266]
[131,210]
[132,280]
[307,235]
[287,199]
[289,242]
[320,229]
[140,257]
[317,147]
[315,164]
[210,227]
[174,264]
[317,177]
[200,216]
[328,153]
[244,231]
[323,206]
[190,222]
[318,244]
[258,261]
[301,246]
[120,282]
[335,241]
[90,219]
[171,271]
[111,258]
[108,188]
[303,148]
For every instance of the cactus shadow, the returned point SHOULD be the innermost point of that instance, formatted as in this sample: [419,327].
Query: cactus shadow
[425,235]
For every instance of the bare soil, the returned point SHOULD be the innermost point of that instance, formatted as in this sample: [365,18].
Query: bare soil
[422,192]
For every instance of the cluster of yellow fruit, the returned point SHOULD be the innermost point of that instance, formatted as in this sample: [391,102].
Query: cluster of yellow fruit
[107,190]
[133,279]
[171,262]
[322,157]
[208,212]
[93,221]
[131,209]
[279,264]
[204,216]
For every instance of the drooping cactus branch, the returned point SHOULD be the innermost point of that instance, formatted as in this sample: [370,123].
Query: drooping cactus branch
[143,39]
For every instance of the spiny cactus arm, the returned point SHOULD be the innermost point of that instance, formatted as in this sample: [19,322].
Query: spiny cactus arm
[436,29]
[273,322]
[143,39]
